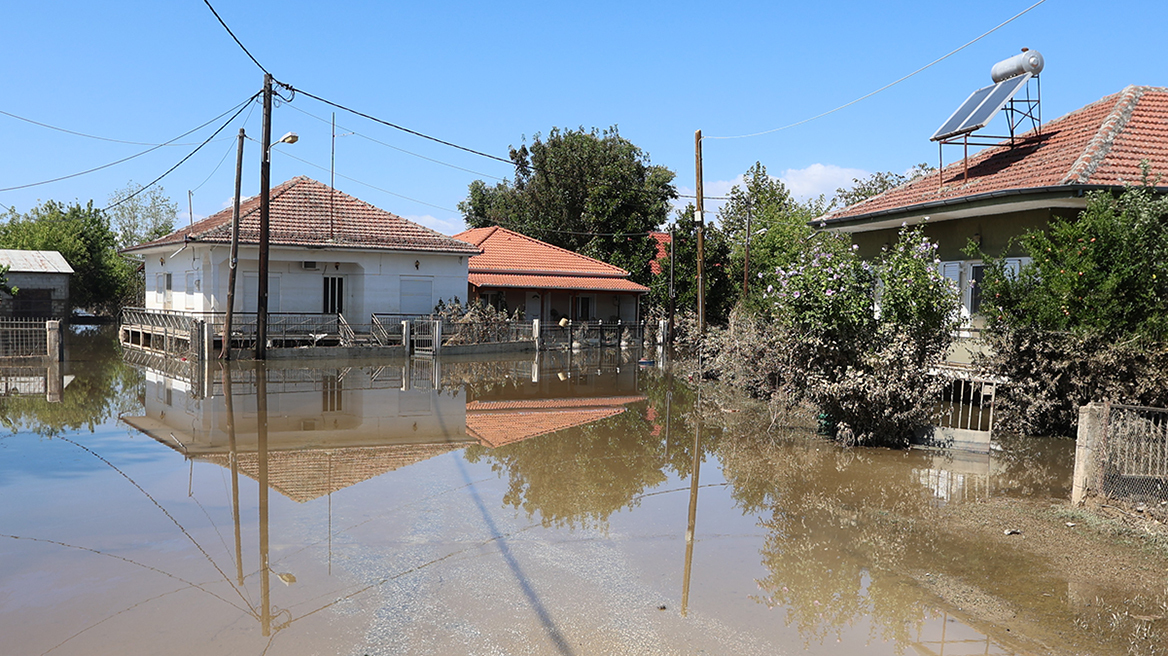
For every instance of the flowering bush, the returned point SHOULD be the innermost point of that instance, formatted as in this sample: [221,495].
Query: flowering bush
[863,337]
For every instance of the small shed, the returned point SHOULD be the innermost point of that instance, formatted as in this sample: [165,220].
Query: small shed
[41,279]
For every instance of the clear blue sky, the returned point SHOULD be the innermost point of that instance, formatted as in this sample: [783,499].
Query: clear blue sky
[485,75]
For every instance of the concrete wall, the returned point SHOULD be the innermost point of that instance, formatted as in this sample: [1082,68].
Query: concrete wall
[372,279]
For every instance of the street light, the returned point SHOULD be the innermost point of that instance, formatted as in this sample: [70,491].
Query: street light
[291,138]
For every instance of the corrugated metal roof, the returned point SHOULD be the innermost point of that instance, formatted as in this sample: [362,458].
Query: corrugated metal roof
[34,261]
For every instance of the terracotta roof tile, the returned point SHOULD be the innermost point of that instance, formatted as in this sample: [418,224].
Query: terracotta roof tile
[662,241]
[1100,144]
[495,429]
[506,251]
[306,474]
[582,283]
[300,216]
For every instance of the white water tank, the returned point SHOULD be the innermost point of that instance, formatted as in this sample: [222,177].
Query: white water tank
[1028,61]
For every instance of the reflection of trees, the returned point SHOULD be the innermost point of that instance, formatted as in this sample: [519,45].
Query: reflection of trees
[103,387]
[840,522]
[582,475]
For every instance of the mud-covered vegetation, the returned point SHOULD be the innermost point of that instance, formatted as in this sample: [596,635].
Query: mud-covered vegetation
[1087,318]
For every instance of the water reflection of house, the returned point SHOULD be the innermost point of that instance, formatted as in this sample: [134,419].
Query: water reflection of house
[498,423]
[44,381]
[327,428]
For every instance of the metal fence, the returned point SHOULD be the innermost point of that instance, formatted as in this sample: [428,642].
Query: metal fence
[486,332]
[588,334]
[23,338]
[1121,457]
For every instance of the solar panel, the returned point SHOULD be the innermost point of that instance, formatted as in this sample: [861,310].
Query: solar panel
[981,107]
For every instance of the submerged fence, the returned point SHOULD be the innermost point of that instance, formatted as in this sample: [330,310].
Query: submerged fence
[30,338]
[200,334]
[1121,457]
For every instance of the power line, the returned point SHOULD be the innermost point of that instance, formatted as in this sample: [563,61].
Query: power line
[89,136]
[180,162]
[230,147]
[890,84]
[237,41]
[428,159]
[398,127]
[126,159]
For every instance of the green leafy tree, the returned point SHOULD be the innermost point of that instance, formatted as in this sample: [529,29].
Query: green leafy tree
[778,225]
[144,216]
[591,192]
[721,291]
[83,236]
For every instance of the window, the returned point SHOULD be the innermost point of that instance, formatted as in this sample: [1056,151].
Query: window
[417,296]
[976,273]
[584,307]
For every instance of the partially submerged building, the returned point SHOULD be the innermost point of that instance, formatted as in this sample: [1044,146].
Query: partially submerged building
[42,282]
[330,253]
[547,282]
[1019,184]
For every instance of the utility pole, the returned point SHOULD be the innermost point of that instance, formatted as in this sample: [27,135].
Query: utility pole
[701,221]
[233,264]
[265,215]
[672,266]
[746,258]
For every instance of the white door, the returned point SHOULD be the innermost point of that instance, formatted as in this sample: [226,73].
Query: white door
[417,295]
[532,311]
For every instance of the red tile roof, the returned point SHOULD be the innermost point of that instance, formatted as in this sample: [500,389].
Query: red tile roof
[510,259]
[582,283]
[1101,144]
[662,241]
[300,216]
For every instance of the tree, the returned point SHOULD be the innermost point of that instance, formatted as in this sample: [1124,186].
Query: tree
[875,184]
[83,236]
[591,192]
[144,217]
[721,291]
[778,225]
[4,287]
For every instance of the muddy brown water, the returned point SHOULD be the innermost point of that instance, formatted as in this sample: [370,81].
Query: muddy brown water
[575,503]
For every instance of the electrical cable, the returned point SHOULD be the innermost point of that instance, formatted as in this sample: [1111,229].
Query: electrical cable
[180,162]
[398,127]
[240,107]
[237,41]
[890,84]
[230,147]
[366,184]
[90,136]
[364,136]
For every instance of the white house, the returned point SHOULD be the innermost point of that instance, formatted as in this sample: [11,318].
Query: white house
[329,252]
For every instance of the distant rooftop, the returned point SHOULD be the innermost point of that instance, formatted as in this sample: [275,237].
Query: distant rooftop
[19,261]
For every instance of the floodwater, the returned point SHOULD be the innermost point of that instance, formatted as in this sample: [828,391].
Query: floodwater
[577,503]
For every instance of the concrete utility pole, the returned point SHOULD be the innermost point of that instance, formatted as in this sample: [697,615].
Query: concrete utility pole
[265,215]
[701,221]
[233,265]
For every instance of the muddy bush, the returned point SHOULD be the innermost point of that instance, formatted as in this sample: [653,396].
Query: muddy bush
[855,338]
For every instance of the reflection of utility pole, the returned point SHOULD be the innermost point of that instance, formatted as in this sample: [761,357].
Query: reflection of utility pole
[230,408]
[693,508]
[262,457]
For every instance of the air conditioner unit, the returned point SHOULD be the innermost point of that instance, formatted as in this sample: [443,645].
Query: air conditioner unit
[309,266]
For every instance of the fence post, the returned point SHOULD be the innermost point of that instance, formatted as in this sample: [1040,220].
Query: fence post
[436,339]
[53,340]
[535,330]
[406,336]
[1092,422]
[663,336]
